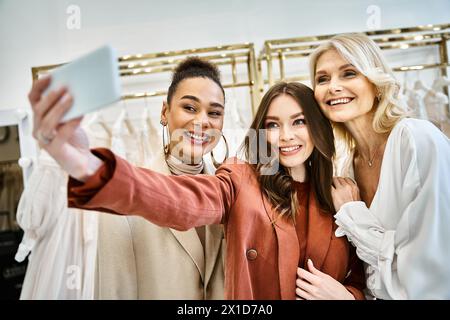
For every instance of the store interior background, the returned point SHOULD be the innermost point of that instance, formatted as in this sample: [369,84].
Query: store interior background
[34,33]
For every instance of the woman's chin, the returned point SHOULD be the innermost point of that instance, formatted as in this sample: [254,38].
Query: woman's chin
[291,163]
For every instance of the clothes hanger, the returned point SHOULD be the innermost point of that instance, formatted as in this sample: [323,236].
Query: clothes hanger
[147,132]
[150,127]
[145,116]
[419,85]
[97,118]
[118,123]
[126,118]
[405,83]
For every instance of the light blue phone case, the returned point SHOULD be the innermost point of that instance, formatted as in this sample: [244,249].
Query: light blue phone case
[93,81]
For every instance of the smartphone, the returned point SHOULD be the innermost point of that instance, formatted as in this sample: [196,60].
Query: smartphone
[93,80]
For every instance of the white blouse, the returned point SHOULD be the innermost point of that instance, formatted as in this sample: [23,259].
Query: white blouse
[404,237]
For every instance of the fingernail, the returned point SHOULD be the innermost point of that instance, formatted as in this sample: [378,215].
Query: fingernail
[62,89]
[66,97]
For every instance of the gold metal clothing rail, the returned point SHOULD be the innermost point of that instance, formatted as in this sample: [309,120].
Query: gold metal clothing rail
[386,33]
[396,69]
[422,67]
[275,53]
[147,64]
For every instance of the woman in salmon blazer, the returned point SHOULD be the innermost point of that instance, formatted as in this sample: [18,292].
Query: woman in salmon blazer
[276,208]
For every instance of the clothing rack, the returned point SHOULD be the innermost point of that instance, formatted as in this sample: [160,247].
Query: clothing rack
[230,56]
[276,52]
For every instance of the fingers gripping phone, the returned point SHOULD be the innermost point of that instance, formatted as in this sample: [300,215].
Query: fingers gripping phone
[93,81]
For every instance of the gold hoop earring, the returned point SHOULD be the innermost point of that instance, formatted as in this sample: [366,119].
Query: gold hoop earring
[165,132]
[215,163]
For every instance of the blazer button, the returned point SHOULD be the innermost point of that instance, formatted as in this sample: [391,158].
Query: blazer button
[252,254]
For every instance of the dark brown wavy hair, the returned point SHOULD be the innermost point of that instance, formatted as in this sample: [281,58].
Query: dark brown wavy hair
[279,187]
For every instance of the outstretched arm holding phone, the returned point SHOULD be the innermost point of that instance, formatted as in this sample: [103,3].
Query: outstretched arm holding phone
[66,142]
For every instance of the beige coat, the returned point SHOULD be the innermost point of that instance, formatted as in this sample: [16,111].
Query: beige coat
[139,260]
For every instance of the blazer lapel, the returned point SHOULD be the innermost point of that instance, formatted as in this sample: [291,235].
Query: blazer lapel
[288,251]
[319,233]
[189,239]
[214,236]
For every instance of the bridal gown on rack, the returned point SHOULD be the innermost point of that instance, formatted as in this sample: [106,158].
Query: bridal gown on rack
[414,100]
[61,243]
[436,104]
[235,127]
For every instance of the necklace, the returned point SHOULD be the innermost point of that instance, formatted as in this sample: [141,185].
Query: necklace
[370,161]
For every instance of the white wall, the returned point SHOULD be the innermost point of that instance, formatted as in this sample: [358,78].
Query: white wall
[34,33]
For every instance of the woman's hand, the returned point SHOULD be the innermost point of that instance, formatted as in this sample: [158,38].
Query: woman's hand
[67,143]
[344,190]
[316,285]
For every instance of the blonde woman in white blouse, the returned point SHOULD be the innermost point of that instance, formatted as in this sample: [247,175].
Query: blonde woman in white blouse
[398,212]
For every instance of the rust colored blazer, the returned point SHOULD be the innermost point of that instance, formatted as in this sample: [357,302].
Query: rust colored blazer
[261,258]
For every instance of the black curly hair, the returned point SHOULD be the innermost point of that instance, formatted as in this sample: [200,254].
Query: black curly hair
[193,67]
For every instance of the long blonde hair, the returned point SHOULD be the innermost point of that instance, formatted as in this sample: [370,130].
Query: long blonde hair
[365,55]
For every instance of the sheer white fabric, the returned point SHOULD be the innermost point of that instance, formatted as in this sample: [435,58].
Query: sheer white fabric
[436,104]
[235,126]
[414,100]
[62,241]
[135,139]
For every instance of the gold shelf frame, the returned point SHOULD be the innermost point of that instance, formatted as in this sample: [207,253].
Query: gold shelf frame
[275,52]
[165,62]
